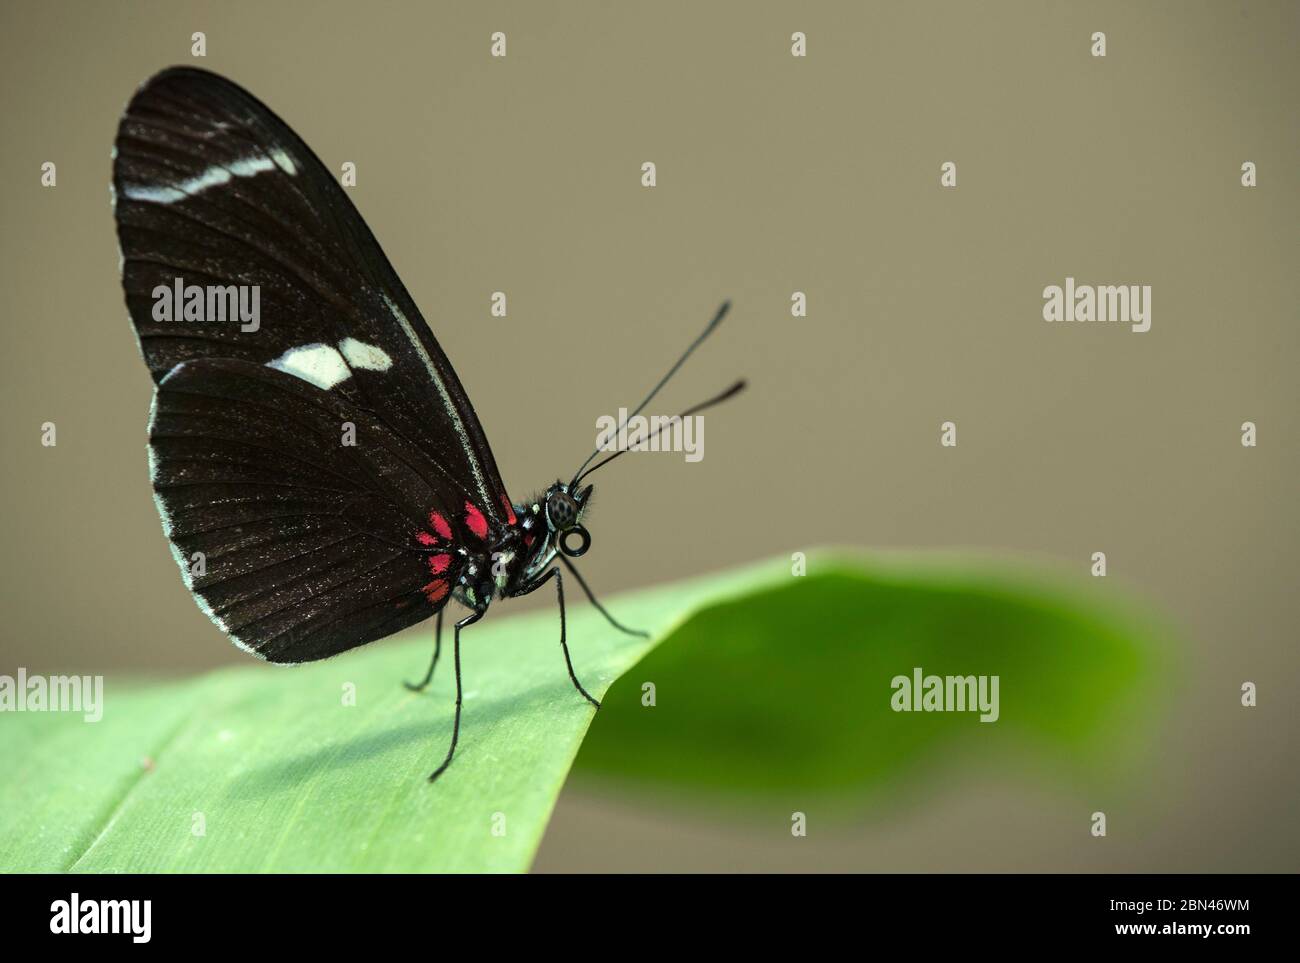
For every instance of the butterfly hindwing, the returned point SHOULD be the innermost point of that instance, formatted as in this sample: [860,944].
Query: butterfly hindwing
[295,542]
[213,189]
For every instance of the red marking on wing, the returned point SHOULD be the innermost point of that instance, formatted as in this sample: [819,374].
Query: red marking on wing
[440,525]
[528,539]
[438,563]
[426,539]
[475,521]
[510,509]
[436,590]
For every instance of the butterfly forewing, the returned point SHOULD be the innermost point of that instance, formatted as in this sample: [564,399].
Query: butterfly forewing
[297,539]
[211,187]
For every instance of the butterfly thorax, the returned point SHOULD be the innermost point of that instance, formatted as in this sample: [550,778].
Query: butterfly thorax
[481,561]
[523,559]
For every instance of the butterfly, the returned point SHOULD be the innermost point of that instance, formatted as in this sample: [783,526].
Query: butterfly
[321,475]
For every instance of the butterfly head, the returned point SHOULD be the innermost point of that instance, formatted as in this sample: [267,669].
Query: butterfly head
[564,510]
[552,524]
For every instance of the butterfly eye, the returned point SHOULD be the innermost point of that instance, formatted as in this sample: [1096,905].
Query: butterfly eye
[561,511]
[584,542]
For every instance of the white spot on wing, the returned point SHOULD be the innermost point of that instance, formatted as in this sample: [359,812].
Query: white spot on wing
[317,364]
[367,356]
[247,167]
[284,162]
[153,195]
[213,176]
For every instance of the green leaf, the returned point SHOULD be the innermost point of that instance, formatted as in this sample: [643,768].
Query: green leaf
[766,683]
[784,694]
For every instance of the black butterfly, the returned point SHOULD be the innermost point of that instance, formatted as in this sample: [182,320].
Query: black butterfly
[294,542]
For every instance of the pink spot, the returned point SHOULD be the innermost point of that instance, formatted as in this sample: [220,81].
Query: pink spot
[440,525]
[475,521]
[510,510]
[438,563]
[436,590]
[426,539]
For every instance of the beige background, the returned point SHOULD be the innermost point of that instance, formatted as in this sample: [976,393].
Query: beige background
[775,175]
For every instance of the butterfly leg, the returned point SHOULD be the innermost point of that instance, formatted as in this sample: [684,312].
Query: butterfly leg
[437,651]
[559,593]
[455,727]
[600,608]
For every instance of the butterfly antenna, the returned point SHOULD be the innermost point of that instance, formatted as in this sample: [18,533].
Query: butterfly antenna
[734,390]
[708,330]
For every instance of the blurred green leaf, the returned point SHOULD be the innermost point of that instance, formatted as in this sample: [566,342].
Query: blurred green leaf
[766,683]
[786,692]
